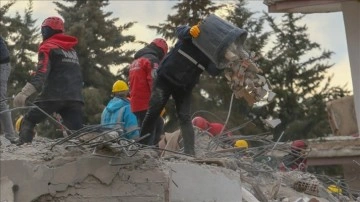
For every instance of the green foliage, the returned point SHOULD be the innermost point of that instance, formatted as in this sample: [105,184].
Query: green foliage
[94,105]
[299,80]
[100,40]
[188,12]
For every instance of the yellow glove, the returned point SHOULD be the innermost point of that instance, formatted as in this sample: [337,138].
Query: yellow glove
[195,31]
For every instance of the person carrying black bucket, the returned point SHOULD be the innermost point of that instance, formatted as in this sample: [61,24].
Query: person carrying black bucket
[177,75]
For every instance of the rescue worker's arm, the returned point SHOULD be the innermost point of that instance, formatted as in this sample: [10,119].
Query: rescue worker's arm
[37,81]
[43,68]
[182,32]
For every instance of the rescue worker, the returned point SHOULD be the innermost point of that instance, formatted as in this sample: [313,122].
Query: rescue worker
[177,75]
[58,81]
[296,159]
[142,73]
[118,112]
[5,116]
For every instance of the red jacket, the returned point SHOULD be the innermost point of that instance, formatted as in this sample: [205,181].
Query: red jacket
[142,71]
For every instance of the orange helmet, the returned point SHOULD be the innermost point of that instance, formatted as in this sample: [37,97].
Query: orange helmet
[161,43]
[200,122]
[54,23]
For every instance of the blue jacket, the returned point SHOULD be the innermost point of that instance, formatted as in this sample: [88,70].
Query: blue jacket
[118,111]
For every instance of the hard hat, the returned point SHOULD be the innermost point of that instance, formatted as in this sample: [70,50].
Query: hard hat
[334,189]
[55,23]
[119,86]
[161,43]
[215,128]
[200,122]
[18,124]
[241,144]
[298,145]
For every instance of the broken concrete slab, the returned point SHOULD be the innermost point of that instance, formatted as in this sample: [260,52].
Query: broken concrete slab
[73,174]
[193,182]
[6,190]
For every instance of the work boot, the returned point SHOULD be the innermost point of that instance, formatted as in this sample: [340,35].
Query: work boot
[26,132]
[189,151]
[189,144]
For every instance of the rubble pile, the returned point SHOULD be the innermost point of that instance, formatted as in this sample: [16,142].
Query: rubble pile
[78,173]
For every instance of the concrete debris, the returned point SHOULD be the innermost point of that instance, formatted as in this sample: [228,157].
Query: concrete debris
[104,173]
[244,78]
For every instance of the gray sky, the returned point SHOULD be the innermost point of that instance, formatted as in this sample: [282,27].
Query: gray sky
[327,29]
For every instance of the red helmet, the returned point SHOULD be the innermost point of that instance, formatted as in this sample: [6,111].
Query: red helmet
[215,128]
[200,122]
[161,43]
[55,23]
[298,145]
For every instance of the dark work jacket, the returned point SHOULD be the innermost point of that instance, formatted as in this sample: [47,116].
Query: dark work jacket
[4,52]
[58,76]
[178,69]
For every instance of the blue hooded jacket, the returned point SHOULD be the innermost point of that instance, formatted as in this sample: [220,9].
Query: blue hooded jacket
[118,111]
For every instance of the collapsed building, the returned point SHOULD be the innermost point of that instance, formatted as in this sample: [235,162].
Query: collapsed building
[96,170]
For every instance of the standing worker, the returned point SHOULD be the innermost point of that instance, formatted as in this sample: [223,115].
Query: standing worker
[142,73]
[177,75]
[58,81]
[5,116]
[118,112]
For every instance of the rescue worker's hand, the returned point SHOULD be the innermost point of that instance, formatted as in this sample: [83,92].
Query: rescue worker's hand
[20,98]
[195,31]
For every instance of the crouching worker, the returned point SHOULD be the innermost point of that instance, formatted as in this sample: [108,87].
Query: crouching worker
[117,113]
[58,81]
[296,159]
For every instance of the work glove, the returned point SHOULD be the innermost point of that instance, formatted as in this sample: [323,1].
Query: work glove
[195,31]
[26,91]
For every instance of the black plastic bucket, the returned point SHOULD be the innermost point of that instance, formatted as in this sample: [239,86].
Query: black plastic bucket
[216,35]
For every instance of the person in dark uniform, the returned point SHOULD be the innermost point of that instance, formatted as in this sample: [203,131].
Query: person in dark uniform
[58,80]
[177,75]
